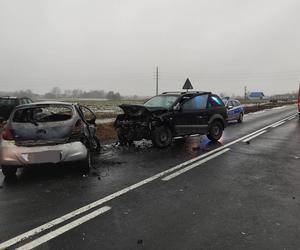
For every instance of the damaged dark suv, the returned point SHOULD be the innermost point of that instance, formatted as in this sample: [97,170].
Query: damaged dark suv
[172,114]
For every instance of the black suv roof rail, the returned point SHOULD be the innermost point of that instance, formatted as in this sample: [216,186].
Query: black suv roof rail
[190,92]
[171,92]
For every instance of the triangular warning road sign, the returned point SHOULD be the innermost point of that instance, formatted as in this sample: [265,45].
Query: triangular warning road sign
[187,85]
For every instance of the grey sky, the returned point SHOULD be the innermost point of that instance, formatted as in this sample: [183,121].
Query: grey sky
[221,45]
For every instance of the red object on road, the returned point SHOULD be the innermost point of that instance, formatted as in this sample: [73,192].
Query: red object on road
[299,101]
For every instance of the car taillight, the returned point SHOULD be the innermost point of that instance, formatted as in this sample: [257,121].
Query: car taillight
[299,97]
[6,134]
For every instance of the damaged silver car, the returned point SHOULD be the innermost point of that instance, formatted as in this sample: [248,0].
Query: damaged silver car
[48,133]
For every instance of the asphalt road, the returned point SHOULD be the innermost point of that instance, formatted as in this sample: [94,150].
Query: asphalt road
[241,193]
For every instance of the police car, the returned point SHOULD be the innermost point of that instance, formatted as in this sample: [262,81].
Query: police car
[235,110]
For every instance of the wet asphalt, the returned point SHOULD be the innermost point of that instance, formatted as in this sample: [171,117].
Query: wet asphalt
[247,198]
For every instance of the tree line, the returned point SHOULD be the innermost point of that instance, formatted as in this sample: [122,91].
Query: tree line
[58,93]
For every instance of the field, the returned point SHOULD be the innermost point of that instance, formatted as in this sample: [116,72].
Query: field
[106,108]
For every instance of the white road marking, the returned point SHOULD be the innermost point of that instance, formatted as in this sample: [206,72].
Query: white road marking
[198,163]
[258,112]
[282,107]
[63,229]
[254,136]
[291,118]
[277,125]
[94,204]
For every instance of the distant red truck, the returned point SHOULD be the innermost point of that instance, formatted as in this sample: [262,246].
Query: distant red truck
[299,102]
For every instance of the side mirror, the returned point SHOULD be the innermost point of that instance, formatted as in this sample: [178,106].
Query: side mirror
[230,107]
[177,107]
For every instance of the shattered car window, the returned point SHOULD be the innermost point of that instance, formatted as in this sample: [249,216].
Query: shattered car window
[163,101]
[53,113]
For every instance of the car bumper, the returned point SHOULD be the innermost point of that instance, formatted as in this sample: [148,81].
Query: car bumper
[22,156]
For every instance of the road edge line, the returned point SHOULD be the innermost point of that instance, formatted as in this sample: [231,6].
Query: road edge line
[53,234]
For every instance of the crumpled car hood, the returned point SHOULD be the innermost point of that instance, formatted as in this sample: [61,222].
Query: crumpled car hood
[138,110]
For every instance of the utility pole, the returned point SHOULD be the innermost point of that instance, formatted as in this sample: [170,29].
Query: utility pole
[245,92]
[156,80]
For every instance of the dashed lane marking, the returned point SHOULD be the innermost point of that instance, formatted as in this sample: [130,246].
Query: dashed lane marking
[197,164]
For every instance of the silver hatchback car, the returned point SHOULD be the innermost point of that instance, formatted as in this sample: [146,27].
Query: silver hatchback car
[48,132]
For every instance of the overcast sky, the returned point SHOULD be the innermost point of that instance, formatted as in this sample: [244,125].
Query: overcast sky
[221,45]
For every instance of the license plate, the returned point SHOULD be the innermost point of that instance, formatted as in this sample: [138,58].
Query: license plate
[45,157]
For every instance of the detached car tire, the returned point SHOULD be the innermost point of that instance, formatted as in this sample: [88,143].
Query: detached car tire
[162,137]
[95,144]
[86,164]
[215,131]
[9,171]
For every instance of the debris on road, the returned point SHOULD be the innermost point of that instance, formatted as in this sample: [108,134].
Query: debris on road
[140,242]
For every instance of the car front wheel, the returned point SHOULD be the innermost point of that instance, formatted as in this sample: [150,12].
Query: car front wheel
[241,118]
[9,171]
[162,137]
[215,131]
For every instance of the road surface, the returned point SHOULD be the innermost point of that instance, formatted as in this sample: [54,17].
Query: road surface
[241,193]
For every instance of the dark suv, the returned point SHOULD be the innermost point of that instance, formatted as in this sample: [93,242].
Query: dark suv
[8,103]
[172,114]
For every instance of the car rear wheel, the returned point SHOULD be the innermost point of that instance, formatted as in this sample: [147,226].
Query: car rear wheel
[241,118]
[9,171]
[162,137]
[215,131]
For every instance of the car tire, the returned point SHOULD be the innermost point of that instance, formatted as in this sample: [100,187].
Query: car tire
[162,137]
[123,140]
[9,171]
[241,118]
[86,164]
[215,131]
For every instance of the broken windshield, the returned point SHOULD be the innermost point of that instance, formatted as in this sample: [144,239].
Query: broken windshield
[49,113]
[161,101]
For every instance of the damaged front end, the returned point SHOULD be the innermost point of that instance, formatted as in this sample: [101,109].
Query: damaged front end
[138,121]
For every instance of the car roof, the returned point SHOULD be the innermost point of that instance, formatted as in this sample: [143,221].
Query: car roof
[35,104]
[13,97]
[185,93]
[8,97]
[230,99]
